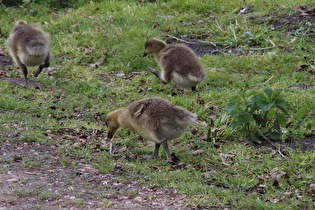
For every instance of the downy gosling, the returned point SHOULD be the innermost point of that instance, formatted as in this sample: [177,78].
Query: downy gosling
[29,46]
[178,63]
[155,119]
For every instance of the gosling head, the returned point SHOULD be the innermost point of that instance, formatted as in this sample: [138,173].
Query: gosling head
[112,123]
[153,45]
[20,22]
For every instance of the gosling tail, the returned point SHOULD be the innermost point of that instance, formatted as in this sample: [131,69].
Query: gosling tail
[36,48]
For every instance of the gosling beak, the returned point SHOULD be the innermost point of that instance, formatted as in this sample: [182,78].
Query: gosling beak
[109,135]
[144,54]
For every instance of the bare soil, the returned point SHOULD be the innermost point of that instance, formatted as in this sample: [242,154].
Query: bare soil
[196,43]
[295,22]
[33,177]
[303,144]
[21,81]
[5,60]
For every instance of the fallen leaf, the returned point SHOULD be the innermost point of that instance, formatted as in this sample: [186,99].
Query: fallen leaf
[139,199]
[245,9]
[275,173]
[156,24]
[304,14]
[120,74]
[74,25]
[225,156]
[198,151]
[30,173]
[12,180]
[194,131]
[17,159]
[88,50]
[49,131]
[205,175]
[247,157]
[110,18]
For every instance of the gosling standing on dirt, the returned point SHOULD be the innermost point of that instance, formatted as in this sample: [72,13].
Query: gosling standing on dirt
[177,62]
[29,46]
[155,119]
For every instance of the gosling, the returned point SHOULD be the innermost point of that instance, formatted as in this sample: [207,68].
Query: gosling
[178,63]
[29,46]
[155,119]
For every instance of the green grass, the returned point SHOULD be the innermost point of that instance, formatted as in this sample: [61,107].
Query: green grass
[97,67]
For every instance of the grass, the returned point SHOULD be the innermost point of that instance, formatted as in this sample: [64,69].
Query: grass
[97,67]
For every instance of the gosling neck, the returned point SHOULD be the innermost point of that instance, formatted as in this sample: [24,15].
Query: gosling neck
[123,119]
[157,56]
[159,47]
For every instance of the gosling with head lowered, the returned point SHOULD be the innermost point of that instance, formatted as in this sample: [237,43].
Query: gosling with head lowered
[178,63]
[155,119]
[29,46]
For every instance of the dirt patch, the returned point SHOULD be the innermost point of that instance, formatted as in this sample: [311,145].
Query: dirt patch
[6,65]
[21,81]
[293,22]
[303,144]
[302,86]
[298,23]
[5,60]
[197,43]
[307,143]
[36,176]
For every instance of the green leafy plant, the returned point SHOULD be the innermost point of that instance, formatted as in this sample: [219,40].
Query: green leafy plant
[258,116]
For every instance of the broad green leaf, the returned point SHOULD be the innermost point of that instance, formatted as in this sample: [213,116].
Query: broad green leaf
[271,113]
[251,93]
[283,109]
[241,119]
[256,137]
[250,103]
[243,93]
[230,108]
[244,119]
[268,92]
[265,106]
[258,97]
[259,119]
[280,101]
[234,124]
[235,99]
[274,136]
[281,119]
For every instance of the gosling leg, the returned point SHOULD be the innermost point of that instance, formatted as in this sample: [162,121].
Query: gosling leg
[45,65]
[156,150]
[167,151]
[156,73]
[24,70]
